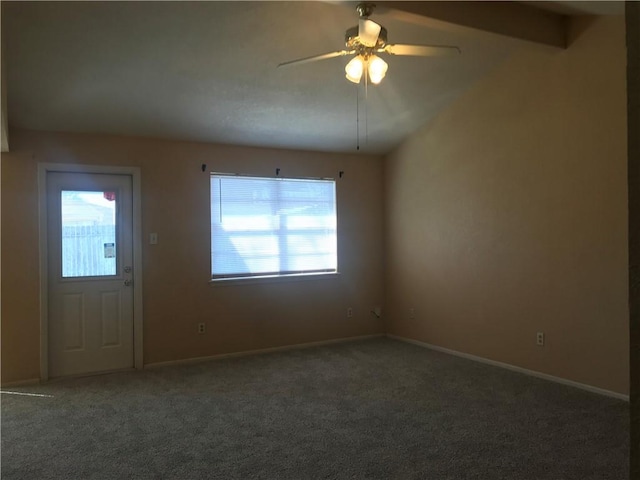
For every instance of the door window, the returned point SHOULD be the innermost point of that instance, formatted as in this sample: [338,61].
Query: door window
[89,239]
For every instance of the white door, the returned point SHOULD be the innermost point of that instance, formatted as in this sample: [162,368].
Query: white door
[90,254]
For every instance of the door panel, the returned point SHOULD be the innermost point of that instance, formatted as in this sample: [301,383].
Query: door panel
[111,304]
[90,251]
[73,321]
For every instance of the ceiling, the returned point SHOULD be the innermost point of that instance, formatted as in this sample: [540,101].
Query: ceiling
[206,71]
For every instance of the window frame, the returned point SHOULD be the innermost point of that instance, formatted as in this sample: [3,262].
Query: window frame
[276,277]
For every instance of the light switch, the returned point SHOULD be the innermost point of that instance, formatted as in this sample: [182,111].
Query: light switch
[153,238]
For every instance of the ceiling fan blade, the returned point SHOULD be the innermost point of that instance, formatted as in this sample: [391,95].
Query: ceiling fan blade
[421,50]
[368,32]
[315,58]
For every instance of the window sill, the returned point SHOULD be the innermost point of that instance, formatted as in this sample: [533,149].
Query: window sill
[224,282]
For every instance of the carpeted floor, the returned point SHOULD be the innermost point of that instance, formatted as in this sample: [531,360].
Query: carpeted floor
[376,409]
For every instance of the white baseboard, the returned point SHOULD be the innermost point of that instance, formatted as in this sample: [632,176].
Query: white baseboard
[533,373]
[21,383]
[245,353]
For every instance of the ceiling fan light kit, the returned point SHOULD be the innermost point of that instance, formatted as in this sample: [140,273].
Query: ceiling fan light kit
[377,69]
[373,66]
[354,69]
[364,41]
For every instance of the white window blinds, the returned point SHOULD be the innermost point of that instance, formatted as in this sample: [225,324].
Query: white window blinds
[272,226]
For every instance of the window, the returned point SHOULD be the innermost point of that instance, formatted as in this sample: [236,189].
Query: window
[272,226]
[88,233]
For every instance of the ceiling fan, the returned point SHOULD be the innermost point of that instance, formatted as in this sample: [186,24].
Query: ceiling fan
[367,39]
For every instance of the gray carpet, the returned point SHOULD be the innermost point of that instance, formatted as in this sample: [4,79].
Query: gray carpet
[377,409]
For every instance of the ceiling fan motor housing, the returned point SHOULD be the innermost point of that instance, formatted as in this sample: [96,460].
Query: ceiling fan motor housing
[352,40]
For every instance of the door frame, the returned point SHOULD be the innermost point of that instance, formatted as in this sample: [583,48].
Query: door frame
[134,173]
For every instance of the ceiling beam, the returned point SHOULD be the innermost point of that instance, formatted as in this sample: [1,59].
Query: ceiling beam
[511,19]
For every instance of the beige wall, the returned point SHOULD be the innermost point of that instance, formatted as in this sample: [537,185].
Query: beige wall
[177,294]
[507,215]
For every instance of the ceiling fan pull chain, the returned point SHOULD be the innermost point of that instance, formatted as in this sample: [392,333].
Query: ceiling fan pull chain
[357,118]
[366,101]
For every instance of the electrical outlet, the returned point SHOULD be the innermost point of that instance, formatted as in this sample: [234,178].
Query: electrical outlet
[349,312]
[153,238]
[412,313]
[540,339]
[202,328]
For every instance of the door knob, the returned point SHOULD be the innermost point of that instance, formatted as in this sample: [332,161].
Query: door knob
[127,283]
